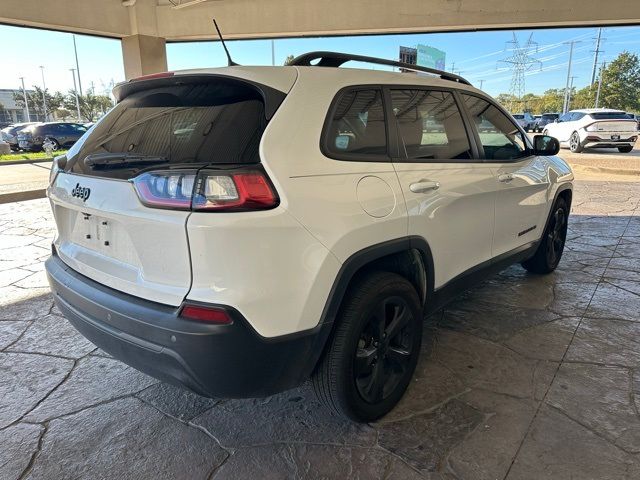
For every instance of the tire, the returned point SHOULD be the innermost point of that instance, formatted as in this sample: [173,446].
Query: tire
[380,316]
[574,143]
[625,149]
[549,252]
[56,145]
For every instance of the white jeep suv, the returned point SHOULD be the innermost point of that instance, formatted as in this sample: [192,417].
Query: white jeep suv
[595,128]
[239,230]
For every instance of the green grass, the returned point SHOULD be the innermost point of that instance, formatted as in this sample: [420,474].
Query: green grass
[28,156]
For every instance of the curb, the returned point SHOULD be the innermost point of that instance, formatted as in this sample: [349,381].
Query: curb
[22,196]
[20,162]
[611,171]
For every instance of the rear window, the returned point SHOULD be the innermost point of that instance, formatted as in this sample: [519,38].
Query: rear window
[219,122]
[518,116]
[610,116]
[548,116]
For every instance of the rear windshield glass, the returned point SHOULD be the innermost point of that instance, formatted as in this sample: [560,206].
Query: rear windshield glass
[196,124]
[610,116]
[518,116]
[550,116]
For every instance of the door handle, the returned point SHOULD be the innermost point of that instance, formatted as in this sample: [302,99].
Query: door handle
[505,177]
[424,186]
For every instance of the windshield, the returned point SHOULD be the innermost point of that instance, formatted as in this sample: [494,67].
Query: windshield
[202,123]
[518,116]
[610,116]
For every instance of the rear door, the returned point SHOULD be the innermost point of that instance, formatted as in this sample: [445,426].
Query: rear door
[169,128]
[521,179]
[449,192]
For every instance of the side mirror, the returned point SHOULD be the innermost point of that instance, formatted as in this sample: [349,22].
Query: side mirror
[544,145]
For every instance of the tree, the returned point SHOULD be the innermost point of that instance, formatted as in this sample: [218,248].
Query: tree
[91,106]
[289,59]
[34,97]
[621,83]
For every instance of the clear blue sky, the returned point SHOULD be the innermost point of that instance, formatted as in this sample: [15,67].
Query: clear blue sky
[476,55]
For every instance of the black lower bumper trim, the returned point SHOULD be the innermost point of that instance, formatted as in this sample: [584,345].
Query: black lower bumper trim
[225,361]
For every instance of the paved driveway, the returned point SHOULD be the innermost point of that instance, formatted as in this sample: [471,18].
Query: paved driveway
[522,377]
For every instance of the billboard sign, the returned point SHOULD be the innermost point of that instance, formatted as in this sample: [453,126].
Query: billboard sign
[430,57]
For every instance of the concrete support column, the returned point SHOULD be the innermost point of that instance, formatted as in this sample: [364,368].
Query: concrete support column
[143,54]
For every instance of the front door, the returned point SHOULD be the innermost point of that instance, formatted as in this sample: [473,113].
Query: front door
[521,180]
[449,193]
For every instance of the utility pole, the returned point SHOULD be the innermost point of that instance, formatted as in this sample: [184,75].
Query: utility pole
[566,89]
[273,53]
[595,56]
[75,90]
[44,96]
[453,67]
[75,49]
[604,65]
[570,90]
[481,83]
[26,103]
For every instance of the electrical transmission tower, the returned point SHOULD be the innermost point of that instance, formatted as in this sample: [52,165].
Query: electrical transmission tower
[521,61]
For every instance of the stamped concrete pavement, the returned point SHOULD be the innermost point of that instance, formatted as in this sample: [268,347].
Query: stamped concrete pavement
[522,377]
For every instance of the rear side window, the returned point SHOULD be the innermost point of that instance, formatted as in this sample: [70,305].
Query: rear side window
[430,126]
[500,138]
[356,129]
[220,122]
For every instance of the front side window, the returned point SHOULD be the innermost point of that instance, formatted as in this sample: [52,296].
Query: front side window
[357,128]
[499,136]
[430,125]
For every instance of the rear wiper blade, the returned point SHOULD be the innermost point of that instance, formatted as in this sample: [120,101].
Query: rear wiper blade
[119,160]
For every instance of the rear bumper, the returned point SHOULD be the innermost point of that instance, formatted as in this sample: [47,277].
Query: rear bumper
[598,140]
[230,361]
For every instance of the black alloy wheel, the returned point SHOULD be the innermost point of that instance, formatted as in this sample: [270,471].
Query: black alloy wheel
[384,350]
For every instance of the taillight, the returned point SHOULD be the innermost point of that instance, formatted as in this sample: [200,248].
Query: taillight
[207,190]
[206,314]
[167,189]
[250,190]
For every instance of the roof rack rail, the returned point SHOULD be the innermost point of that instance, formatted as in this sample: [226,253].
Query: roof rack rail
[336,59]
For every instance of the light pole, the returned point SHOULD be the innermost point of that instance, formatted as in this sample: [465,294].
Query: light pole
[75,90]
[26,103]
[75,49]
[566,90]
[44,96]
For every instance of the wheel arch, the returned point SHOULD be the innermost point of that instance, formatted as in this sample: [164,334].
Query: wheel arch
[409,257]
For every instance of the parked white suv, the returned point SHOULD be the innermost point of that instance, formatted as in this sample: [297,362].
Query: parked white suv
[239,230]
[595,128]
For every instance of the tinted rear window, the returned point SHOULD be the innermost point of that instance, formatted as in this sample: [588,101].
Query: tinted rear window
[610,116]
[518,116]
[550,116]
[203,123]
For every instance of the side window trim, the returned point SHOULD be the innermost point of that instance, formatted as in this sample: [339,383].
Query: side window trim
[354,157]
[392,122]
[491,102]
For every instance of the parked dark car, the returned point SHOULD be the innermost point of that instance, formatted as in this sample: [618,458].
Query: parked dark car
[10,134]
[545,119]
[525,120]
[62,135]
